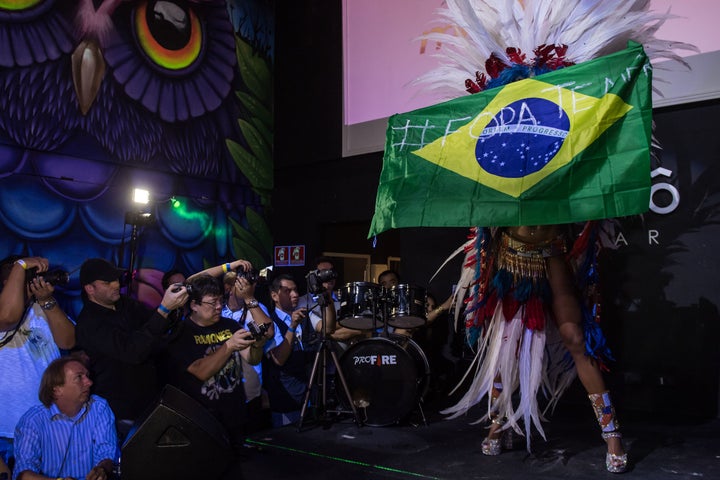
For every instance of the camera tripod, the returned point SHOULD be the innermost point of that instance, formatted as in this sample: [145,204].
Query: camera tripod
[321,361]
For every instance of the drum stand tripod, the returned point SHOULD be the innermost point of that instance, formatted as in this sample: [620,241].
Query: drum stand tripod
[321,358]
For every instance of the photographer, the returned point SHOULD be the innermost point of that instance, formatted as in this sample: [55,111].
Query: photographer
[204,360]
[326,270]
[321,282]
[33,330]
[242,306]
[121,337]
[285,376]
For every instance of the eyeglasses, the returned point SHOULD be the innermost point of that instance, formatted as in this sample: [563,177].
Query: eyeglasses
[216,303]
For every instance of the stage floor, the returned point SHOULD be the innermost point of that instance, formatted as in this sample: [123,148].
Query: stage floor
[659,448]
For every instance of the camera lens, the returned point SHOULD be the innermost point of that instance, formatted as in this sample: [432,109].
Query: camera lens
[56,277]
[53,277]
[326,275]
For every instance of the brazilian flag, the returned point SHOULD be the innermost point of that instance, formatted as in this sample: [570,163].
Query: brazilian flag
[566,146]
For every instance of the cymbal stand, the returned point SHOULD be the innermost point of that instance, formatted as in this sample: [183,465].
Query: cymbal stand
[321,360]
[384,304]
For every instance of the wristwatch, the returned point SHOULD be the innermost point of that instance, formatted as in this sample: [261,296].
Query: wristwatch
[48,305]
[252,304]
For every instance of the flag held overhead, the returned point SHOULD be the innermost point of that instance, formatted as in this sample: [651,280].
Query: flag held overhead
[567,146]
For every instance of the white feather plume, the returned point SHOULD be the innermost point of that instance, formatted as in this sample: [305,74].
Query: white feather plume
[591,28]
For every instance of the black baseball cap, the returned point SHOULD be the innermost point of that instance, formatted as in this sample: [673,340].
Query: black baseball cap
[99,269]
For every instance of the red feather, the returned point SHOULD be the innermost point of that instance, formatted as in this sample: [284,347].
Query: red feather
[493,66]
[534,314]
[510,306]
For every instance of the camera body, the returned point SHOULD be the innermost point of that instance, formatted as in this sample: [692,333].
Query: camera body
[316,278]
[176,288]
[257,331]
[54,277]
[251,275]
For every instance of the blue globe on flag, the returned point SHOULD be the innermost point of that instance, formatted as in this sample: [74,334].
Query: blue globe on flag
[522,138]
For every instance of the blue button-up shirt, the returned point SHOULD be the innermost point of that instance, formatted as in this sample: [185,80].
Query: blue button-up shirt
[50,443]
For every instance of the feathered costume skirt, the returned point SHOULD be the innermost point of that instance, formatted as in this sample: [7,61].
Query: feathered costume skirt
[509,321]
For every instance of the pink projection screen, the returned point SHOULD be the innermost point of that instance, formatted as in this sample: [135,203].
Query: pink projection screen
[382,55]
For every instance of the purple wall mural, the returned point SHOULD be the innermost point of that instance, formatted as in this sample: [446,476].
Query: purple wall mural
[98,98]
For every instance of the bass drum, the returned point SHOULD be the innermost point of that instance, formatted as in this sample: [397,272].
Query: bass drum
[386,377]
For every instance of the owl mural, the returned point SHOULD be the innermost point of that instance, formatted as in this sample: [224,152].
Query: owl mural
[99,97]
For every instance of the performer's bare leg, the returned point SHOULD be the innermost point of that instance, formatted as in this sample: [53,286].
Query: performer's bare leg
[568,318]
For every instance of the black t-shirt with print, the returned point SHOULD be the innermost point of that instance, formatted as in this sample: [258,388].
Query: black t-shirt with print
[222,394]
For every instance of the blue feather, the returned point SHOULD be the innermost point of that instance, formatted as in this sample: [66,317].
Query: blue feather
[502,282]
[595,342]
[511,74]
[523,290]
[472,335]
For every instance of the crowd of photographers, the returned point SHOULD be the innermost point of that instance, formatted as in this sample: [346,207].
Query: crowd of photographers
[209,337]
[72,391]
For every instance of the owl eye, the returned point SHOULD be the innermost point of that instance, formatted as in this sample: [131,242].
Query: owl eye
[169,33]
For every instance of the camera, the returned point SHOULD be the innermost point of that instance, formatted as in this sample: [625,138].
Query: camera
[53,277]
[251,275]
[257,330]
[176,288]
[316,278]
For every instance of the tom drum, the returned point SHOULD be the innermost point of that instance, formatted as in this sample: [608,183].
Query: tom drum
[407,306]
[359,306]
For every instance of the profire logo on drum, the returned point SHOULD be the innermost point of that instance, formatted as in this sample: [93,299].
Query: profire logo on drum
[378,360]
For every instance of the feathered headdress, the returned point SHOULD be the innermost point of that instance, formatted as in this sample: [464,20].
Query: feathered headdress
[494,42]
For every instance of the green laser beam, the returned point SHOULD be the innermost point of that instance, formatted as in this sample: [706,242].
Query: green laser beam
[340,459]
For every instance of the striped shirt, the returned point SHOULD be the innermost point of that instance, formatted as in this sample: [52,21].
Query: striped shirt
[50,443]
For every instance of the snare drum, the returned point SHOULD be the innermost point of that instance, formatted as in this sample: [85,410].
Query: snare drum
[407,306]
[359,306]
[386,377]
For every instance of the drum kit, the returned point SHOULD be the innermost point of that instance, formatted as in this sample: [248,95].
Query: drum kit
[387,375]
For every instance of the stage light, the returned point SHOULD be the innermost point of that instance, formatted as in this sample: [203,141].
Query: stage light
[141,195]
[175,202]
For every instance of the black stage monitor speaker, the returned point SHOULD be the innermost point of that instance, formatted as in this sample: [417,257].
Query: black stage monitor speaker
[179,439]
